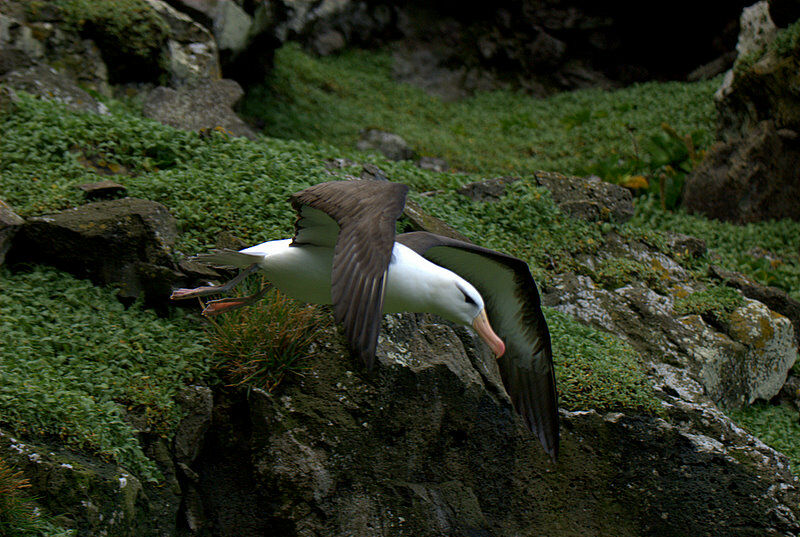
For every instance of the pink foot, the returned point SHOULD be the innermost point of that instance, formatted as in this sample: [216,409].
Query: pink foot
[180,294]
[215,308]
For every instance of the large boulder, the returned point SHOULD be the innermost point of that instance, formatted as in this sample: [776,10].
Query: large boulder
[205,105]
[122,242]
[737,357]
[753,172]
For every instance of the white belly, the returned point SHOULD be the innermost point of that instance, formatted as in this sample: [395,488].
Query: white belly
[304,273]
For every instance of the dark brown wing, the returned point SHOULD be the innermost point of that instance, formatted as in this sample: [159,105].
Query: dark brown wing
[365,212]
[514,310]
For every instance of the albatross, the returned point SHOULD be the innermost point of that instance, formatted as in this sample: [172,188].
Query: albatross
[345,252]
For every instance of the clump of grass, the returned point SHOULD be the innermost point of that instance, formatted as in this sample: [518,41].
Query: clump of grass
[714,303]
[16,510]
[261,344]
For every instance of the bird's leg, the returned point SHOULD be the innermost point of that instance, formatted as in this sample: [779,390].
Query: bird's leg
[182,294]
[223,305]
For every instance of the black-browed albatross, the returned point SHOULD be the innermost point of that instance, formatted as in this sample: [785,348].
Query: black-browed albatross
[345,252]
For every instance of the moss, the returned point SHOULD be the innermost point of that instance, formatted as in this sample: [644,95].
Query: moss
[129,33]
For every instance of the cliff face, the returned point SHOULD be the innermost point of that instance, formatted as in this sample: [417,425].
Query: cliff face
[429,445]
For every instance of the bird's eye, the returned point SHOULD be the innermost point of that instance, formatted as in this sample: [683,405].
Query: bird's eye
[469,299]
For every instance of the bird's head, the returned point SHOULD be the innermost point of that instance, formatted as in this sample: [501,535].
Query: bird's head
[464,305]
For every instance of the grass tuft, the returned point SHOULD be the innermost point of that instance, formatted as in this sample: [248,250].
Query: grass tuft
[261,344]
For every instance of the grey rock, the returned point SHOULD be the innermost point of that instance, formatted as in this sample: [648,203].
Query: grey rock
[389,144]
[125,242]
[746,358]
[428,445]
[487,190]
[103,189]
[776,299]
[197,403]
[588,199]
[328,42]
[10,223]
[748,179]
[207,105]
[48,83]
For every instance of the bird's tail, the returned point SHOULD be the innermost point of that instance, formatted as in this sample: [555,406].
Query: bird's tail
[228,258]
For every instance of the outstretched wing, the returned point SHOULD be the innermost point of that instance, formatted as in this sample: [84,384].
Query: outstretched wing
[514,310]
[359,218]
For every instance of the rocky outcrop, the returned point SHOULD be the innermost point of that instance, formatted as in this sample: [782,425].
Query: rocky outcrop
[205,105]
[429,445]
[47,83]
[120,242]
[752,174]
[744,356]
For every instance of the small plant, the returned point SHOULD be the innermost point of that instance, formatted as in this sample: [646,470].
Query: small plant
[713,304]
[16,511]
[261,344]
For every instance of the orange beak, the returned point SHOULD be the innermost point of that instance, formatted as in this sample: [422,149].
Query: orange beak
[484,329]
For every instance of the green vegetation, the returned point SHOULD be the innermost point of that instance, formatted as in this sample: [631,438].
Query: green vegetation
[597,370]
[73,361]
[777,425]
[54,383]
[715,303]
[260,344]
[329,100]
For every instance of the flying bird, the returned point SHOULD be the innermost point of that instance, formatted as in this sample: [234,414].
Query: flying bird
[345,252]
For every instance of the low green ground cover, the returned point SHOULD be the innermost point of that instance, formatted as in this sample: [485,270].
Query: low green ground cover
[212,183]
[73,361]
[330,100]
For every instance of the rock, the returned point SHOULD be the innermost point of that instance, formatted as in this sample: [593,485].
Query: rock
[748,179]
[488,190]
[10,223]
[390,145]
[776,299]
[204,106]
[434,164]
[48,83]
[428,444]
[123,242]
[587,199]
[25,44]
[197,403]
[103,189]
[756,29]
[93,495]
[191,53]
[682,245]
[735,362]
